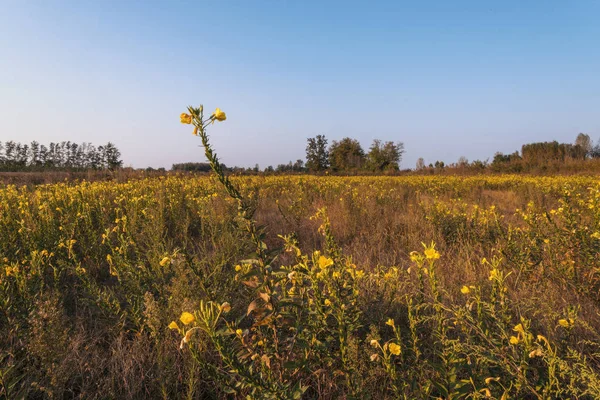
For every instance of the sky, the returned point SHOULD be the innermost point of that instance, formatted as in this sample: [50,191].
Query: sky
[446,78]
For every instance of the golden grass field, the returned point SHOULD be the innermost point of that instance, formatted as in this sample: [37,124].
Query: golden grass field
[384,287]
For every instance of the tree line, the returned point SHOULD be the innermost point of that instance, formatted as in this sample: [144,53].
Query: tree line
[342,156]
[66,155]
[533,157]
[347,155]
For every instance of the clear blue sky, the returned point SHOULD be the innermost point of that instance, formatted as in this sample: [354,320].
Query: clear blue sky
[447,78]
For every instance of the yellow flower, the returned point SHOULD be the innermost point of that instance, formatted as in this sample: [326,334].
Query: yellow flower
[536,353]
[173,325]
[219,115]
[395,349]
[390,322]
[165,261]
[519,328]
[374,357]
[566,323]
[494,274]
[514,340]
[187,318]
[563,323]
[238,268]
[225,307]
[239,332]
[327,302]
[374,343]
[465,290]
[186,118]
[431,254]
[414,256]
[325,262]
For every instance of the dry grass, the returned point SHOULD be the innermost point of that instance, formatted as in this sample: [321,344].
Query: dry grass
[75,325]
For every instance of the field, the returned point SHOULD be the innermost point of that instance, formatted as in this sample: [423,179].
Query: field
[384,287]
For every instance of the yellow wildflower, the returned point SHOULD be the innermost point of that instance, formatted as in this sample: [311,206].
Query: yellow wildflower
[395,349]
[431,254]
[414,256]
[165,261]
[566,323]
[536,353]
[374,343]
[390,322]
[173,325]
[465,290]
[563,323]
[519,328]
[186,118]
[219,115]
[238,268]
[327,302]
[239,332]
[187,318]
[514,340]
[225,307]
[494,274]
[325,262]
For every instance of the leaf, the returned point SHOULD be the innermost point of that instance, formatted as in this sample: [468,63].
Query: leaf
[264,296]
[266,360]
[253,283]
[253,306]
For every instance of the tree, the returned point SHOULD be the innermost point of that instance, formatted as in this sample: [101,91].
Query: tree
[317,156]
[34,154]
[384,156]
[462,162]
[345,155]
[112,156]
[298,166]
[595,153]
[420,164]
[585,143]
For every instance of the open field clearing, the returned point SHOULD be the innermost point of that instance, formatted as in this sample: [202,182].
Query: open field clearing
[100,282]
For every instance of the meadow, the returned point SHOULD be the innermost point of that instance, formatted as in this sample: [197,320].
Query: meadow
[361,287]
[291,287]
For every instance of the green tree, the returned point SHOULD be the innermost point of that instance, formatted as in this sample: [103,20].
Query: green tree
[385,156]
[317,156]
[112,156]
[585,143]
[346,154]
[595,153]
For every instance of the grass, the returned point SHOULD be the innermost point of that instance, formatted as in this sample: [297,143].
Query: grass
[87,297]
